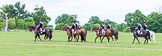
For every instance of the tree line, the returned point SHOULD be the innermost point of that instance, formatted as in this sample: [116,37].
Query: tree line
[14,16]
[153,20]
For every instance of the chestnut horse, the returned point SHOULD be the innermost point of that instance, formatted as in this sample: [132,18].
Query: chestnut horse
[114,32]
[79,32]
[107,34]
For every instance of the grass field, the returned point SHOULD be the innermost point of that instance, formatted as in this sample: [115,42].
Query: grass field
[23,44]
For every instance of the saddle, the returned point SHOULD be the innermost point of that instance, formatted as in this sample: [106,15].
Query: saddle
[139,33]
[101,33]
[72,31]
[40,30]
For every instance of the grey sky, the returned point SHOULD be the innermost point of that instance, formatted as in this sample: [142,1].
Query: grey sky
[114,10]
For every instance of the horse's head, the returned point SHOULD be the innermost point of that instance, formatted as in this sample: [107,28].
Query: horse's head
[132,28]
[65,27]
[31,28]
[94,28]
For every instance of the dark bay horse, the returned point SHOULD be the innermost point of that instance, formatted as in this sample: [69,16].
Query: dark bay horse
[79,32]
[47,33]
[114,32]
[107,34]
[144,34]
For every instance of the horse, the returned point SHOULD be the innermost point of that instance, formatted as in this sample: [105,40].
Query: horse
[114,32]
[145,34]
[47,33]
[107,34]
[79,32]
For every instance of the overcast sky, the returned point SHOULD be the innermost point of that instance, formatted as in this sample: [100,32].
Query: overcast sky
[115,10]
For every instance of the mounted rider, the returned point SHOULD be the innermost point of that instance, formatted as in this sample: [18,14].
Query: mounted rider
[144,26]
[77,25]
[140,28]
[108,25]
[73,27]
[102,27]
[40,26]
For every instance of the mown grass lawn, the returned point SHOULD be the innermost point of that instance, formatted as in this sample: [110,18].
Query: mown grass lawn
[23,44]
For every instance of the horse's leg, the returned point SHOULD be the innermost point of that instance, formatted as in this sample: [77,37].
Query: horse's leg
[96,38]
[136,37]
[45,37]
[35,37]
[102,39]
[116,39]
[144,41]
[78,38]
[108,39]
[71,38]
[75,38]
[137,40]
[133,40]
[112,38]
[68,38]
[39,37]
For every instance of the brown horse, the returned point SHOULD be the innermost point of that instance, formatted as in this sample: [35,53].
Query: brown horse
[145,35]
[107,34]
[79,32]
[114,32]
[47,33]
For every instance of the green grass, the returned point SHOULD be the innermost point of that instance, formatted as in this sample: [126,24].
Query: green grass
[23,44]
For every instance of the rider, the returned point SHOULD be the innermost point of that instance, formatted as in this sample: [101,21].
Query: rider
[140,28]
[145,26]
[73,27]
[102,28]
[78,25]
[108,26]
[40,26]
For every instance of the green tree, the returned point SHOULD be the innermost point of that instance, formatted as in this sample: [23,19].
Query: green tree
[112,23]
[20,11]
[20,24]
[94,20]
[40,13]
[87,26]
[2,23]
[7,12]
[58,26]
[65,19]
[12,24]
[28,21]
[133,18]
[154,21]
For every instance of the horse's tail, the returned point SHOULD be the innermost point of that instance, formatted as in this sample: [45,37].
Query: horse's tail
[153,36]
[50,33]
[116,35]
[83,35]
